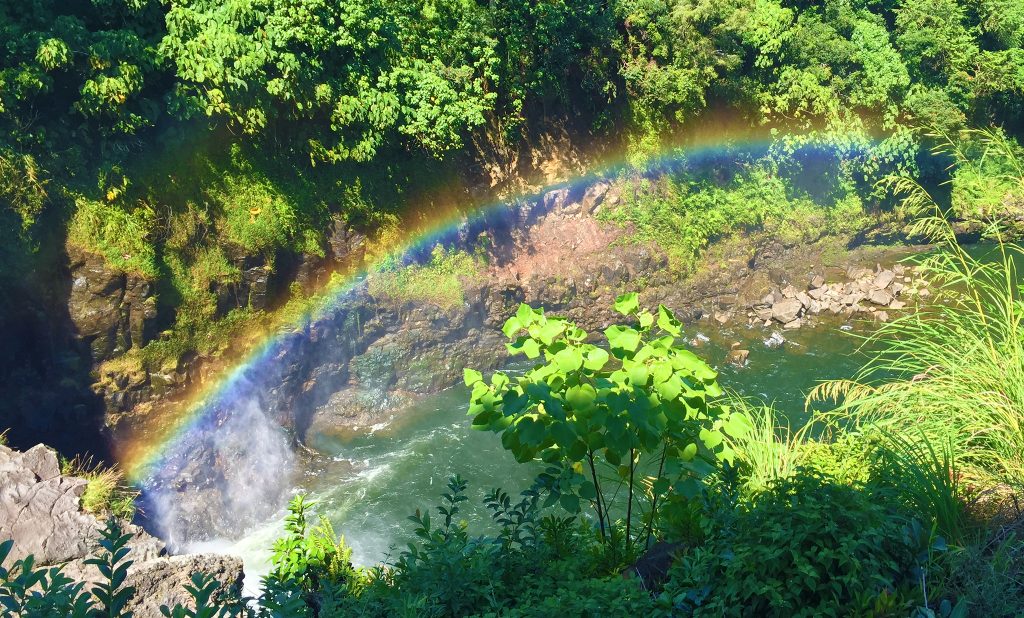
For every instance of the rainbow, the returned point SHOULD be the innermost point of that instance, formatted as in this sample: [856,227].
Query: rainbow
[144,451]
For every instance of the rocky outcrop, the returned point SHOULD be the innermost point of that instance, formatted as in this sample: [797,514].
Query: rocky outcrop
[111,310]
[40,510]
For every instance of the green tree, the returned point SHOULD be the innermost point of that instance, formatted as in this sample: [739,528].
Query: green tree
[645,408]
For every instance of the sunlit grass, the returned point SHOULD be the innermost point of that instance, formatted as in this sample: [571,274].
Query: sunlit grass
[106,491]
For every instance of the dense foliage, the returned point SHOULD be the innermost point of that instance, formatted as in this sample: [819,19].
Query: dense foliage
[174,139]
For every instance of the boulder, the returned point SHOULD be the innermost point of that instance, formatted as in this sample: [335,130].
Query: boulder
[818,293]
[883,279]
[162,581]
[786,310]
[737,356]
[880,297]
[40,510]
[817,281]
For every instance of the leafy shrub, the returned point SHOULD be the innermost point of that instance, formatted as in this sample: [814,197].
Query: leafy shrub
[644,412]
[807,546]
[612,596]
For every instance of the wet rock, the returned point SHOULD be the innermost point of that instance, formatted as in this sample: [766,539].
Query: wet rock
[111,310]
[737,356]
[787,310]
[594,196]
[555,199]
[255,285]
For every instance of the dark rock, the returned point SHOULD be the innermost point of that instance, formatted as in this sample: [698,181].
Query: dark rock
[652,568]
[111,310]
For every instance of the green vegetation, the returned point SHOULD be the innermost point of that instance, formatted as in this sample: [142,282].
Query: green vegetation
[876,509]
[106,492]
[166,138]
[191,142]
[440,281]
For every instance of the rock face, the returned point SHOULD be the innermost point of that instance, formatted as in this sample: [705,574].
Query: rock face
[40,511]
[111,310]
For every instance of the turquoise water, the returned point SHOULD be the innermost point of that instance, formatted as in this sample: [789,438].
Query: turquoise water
[369,484]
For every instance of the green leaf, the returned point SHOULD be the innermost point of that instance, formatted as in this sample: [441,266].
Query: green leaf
[737,425]
[581,397]
[710,438]
[563,434]
[667,321]
[526,315]
[622,338]
[627,303]
[471,376]
[570,503]
[569,359]
[549,331]
[670,388]
[646,319]
[511,327]
[595,359]
[638,374]
[524,345]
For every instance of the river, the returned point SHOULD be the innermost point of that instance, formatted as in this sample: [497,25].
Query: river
[369,483]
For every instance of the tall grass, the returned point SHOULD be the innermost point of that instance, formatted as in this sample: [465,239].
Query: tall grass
[770,450]
[953,371]
[106,492]
[926,478]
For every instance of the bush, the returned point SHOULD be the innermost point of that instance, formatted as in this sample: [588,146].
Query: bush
[807,546]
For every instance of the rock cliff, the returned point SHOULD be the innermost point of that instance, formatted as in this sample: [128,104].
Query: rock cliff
[40,510]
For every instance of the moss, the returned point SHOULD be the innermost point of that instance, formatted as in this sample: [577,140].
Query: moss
[439,281]
[684,214]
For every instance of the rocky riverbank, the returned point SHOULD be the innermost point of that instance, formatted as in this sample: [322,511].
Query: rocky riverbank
[41,511]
